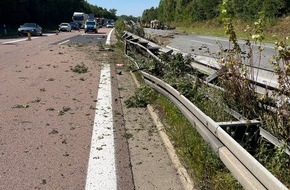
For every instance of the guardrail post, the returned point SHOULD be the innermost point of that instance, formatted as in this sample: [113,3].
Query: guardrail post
[126,47]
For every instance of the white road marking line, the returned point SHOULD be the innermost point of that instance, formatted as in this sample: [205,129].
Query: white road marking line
[214,38]
[20,40]
[108,41]
[175,49]
[202,42]
[101,174]
[23,39]
[63,42]
[240,41]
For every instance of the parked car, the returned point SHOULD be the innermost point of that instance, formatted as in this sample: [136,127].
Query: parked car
[64,27]
[32,28]
[91,25]
[74,26]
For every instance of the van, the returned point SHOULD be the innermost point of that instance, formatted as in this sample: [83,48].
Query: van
[91,25]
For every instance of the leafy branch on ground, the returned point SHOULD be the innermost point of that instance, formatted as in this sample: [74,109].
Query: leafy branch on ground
[141,98]
[80,68]
[63,110]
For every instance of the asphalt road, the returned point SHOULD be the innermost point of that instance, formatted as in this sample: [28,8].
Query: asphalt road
[48,120]
[210,46]
[47,115]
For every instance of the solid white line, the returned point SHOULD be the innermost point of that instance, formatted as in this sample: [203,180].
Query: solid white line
[20,40]
[240,41]
[23,39]
[175,49]
[201,42]
[108,41]
[101,174]
[63,42]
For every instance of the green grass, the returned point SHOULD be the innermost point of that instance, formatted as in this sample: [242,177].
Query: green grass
[80,68]
[204,166]
[279,28]
[63,110]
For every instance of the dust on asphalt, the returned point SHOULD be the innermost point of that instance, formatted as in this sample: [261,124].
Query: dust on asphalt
[47,117]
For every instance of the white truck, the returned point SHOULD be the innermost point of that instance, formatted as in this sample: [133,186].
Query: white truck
[80,18]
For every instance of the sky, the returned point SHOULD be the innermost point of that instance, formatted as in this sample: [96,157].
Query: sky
[126,7]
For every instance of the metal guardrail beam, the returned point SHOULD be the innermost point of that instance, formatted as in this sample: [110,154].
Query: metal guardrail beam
[242,164]
[273,140]
[146,49]
[252,165]
[210,65]
[238,123]
[239,171]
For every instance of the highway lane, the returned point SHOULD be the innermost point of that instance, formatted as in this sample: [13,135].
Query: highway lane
[22,48]
[48,115]
[210,46]
[46,111]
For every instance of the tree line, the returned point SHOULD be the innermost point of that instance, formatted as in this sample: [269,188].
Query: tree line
[47,12]
[187,11]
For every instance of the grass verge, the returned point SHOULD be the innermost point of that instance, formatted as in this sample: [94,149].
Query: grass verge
[273,28]
[204,166]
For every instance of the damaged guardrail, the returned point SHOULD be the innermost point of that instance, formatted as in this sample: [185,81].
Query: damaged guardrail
[246,169]
[264,80]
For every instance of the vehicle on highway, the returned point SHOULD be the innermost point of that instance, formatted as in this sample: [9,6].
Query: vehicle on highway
[65,27]
[32,28]
[91,25]
[74,26]
[111,25]
[155,24]
[80,18]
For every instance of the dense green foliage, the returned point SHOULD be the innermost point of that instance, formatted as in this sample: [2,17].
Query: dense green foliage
[186,11]
[46,12]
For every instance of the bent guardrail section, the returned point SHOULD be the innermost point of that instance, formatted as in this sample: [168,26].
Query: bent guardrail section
[244,167]
[264,80]
[247,170]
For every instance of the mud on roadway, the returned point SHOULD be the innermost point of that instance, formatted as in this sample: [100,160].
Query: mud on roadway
[47,117]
